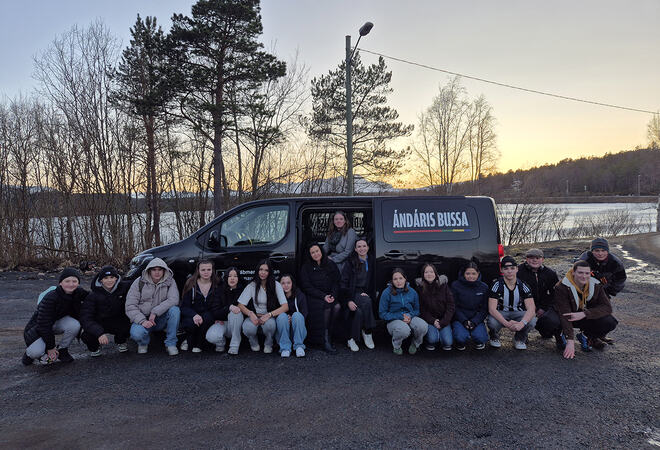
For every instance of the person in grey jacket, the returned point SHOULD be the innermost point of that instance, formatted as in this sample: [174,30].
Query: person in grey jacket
[152,304]
[341,239]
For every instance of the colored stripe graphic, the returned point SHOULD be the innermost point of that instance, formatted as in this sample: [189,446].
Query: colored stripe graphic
[453,230]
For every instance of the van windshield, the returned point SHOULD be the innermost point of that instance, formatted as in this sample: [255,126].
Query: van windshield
[261,225]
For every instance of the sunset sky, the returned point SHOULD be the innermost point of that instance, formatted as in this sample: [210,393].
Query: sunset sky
[605,51]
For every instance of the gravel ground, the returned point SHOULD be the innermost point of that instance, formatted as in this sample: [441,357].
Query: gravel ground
[493,398]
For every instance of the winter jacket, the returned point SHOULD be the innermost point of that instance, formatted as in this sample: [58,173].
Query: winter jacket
[394,306]
[610,273]
[220,303]
[297,303]
[145,297]
[567,300]
[349,278]
[436,304]
[194,302]
[317,281]
[55,305]
[101,305]
[542,283]
[339,254]
[470,299]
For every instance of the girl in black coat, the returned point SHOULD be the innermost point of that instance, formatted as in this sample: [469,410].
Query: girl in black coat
[227,315]
[200,292]
[319,280]
[103,312]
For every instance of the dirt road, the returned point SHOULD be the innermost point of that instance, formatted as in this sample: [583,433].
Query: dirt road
[494,398]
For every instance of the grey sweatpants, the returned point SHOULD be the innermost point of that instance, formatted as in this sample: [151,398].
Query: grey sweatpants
[401,330]
[67,326]
[269,329]
[218,333]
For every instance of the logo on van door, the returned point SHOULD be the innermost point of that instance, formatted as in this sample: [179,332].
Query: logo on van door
[429,219]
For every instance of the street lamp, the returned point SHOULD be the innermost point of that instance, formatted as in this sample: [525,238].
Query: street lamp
[364,30]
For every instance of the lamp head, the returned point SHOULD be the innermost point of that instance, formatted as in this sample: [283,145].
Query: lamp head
[366,28]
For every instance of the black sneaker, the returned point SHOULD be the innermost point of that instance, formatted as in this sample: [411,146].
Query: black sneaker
[26,360]
[64,355]
[560,341]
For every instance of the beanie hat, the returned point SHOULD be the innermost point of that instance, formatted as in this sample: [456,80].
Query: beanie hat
[69,272]
[600,243]
[108,271]
[508,260]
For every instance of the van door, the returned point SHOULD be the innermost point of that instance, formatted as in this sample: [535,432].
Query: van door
[250,234]
[416,230]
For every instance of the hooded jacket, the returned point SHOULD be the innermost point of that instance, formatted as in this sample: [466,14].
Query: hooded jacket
[567,299]
[101,305]
[394,306]
[470,299]
[437,303]
[146,297]
[297,303]
[55,305]
[610,273]
[194,302]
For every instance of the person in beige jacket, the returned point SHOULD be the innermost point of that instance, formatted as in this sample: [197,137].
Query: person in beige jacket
[152,304]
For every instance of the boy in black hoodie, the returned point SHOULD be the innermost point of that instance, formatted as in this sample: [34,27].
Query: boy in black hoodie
[57,313]
[103,312]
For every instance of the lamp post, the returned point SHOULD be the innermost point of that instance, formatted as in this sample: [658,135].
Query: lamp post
[364,30]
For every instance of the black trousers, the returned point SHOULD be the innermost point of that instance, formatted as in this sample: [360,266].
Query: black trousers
[361,318]
[120,327]
[548,324]
[196,335]
[596,328]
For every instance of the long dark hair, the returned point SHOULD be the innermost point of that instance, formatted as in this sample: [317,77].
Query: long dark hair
[331,225]
[271,293]
[470,265]
[191,282]
[293,283]
[432,287]
[405,286]
[324,257]
[226,276]
[354,258]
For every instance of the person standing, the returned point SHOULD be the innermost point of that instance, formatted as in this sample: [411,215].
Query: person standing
[103,312]
[541,279]
[510,305]
[152,304]
[582,303]
[57,313]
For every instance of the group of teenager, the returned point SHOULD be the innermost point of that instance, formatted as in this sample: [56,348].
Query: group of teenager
[335,285]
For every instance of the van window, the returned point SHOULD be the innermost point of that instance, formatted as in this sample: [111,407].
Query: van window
[257,226]
[316,224]
[429,220]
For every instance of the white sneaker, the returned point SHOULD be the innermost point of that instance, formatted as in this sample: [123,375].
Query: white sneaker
[121,348]
[480,346]
[495,343]
[300,352]
[196,350]
[254,346]
[232,351]
[142,349]
[96,353]
[172,350]
[184,346]
[520,345]
[268,348]
[352,345]
[429,347]
[368,340]
[285,353]
[220,348]
[447,348]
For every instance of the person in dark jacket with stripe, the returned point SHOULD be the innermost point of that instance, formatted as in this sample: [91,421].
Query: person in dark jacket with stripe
[57,313]
[357,292]
[293,322]
[200,292]
[605,267]
[471,308]
[228,316]
[319,280]
[436,304]
[103,312]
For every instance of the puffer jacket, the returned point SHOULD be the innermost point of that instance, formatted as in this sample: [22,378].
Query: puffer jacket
[55,305]
[146,297]
[470,299]
[438,304]
[394,306]
[101,305]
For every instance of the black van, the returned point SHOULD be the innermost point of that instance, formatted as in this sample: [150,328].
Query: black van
[402,232]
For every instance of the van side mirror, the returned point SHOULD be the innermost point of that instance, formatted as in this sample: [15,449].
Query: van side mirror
[216,240]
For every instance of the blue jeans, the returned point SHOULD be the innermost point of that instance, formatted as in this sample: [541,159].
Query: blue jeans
[168,321]
[443,334]
[284,331]
[461,335]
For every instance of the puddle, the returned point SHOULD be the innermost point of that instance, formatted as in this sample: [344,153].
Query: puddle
[638,270]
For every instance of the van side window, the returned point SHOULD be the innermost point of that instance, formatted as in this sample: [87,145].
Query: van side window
[316,224]
[258,226]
